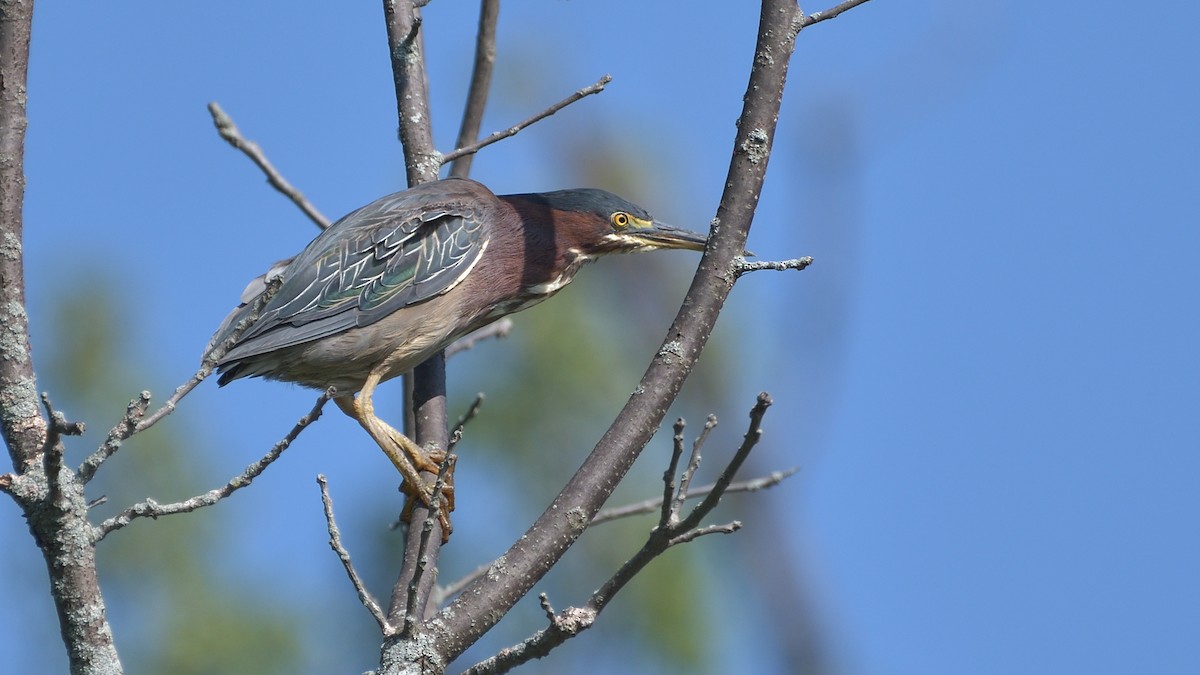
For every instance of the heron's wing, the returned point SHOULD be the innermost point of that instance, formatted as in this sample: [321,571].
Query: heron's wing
[255,288]
[394,252]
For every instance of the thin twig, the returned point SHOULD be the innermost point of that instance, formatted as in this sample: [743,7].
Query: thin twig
[136,421]
[443,593]
[515,129]
[831,13]
[635,509]
[748,442]
[690,535]
[59,426]
[134,413]
[499,329]
[457,432]
[53,450]
[481,82]
[672,469]
[152,509]
[169,405]
[544,601]
[638,508]
[335,542]
[655,503]
[685,481]
[671,531]
[229,131]
[742,266]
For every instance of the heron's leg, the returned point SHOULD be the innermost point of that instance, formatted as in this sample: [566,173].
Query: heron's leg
[425,460]
[421,459]
[385,441]
[408,457]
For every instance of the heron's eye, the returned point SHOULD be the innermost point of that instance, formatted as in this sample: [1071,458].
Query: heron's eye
[620,220]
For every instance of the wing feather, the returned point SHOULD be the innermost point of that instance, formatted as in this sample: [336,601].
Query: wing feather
[396,251]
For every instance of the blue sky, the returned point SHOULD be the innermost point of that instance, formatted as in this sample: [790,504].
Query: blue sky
[989,377]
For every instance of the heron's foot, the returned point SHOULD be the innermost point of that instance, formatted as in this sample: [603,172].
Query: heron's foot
[426,497]
[409,459]
[424,492]
[428,461]
[432,463]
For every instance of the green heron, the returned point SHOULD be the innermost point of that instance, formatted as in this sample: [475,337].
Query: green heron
[396,281]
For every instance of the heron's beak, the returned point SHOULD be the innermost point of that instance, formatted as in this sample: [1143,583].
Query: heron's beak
[661,235]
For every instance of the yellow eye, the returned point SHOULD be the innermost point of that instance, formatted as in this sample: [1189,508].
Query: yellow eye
[620,220]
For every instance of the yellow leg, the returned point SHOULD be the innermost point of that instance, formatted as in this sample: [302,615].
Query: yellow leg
[408,457]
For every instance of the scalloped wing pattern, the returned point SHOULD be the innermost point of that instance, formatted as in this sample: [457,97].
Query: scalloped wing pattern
[389,254]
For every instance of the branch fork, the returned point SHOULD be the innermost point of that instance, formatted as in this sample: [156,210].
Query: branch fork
[673,528]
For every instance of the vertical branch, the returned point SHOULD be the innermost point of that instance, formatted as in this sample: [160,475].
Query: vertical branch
[21,421]
[58,520]
[483,602]
[481,82]
[428,389]
[421,162]
[49,494]
[421,159]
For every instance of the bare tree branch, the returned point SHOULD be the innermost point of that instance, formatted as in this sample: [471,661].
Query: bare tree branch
[685,481]
[59,426]
[515,129]
[134,413]
[152,509]
[481,78]
[481,604]
[448,463]
[481,82]
[472,411]
[21,423]
[672,468]
[421,160]
[441,593]
[50,497]
[637,508]
[498,329]
[229,131]
[52,463]
[671,531]
[414,607]
[173,400]
[53,450]
[547,608]
[651,505]
[751,439]
[742,266]
[335,542]
[831,13]
[428,393]
[690,535]
[135,420]
[428,397]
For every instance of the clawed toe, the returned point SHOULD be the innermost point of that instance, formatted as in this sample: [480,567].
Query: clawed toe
[432,462]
